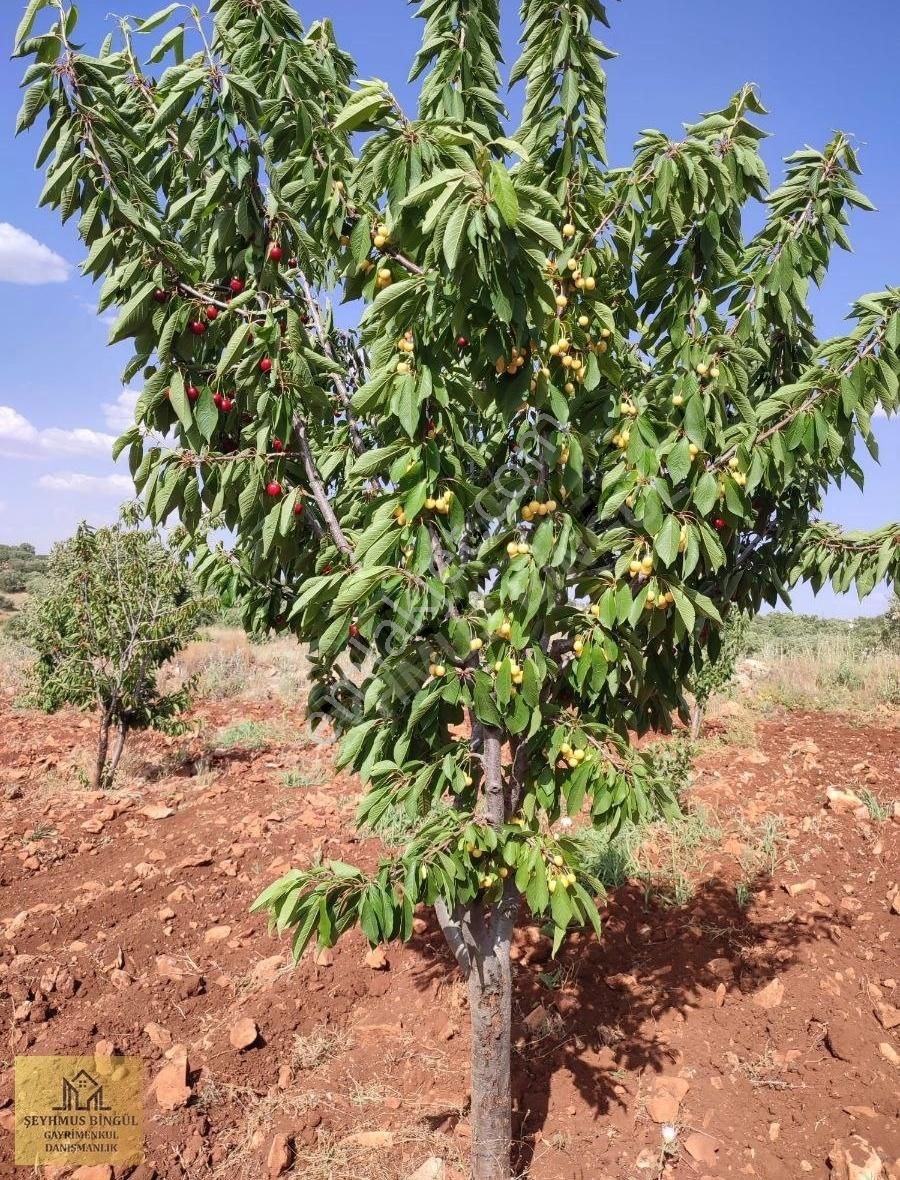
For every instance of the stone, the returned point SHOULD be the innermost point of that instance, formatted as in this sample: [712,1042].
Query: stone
[93,1172]
[265,971]
[156,811]
[104,1051]
[377,960]
[160,1037]
[170,1085]
[280,1156]
[802,887]
[372,1140]
[701,1148]
[888,1016]
[842,801]
[537,1019]
[432,1169]
[889,1053]
[216,934]
[770,996]
[666,1095]
[243,1033]
[854,1159]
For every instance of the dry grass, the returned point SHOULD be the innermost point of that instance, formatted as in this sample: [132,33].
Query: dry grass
[319,1047]
[15,657]
[227,665]
[830,674]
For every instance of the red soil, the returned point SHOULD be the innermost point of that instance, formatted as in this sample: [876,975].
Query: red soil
[112,921]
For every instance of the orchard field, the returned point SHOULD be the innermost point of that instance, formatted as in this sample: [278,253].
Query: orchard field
[746,993]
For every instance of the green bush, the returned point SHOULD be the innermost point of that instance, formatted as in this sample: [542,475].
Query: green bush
[115,607]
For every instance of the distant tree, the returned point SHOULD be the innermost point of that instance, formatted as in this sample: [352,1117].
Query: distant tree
[11,582]
[717,671]
[890,624]
[115,607]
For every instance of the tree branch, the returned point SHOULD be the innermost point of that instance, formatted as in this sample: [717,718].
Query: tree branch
[318,489]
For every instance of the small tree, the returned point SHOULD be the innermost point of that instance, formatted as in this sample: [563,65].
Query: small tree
[584,416]
[115,606]
[716,669]
[890,625]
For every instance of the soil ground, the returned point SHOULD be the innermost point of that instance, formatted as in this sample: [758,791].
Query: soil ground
[753,1015]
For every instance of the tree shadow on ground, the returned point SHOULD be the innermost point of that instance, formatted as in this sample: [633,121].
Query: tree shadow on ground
[596,1010]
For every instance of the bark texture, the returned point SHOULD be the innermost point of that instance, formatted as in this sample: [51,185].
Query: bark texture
[490,1004]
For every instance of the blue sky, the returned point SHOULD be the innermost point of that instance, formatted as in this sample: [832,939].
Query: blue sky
[61,398]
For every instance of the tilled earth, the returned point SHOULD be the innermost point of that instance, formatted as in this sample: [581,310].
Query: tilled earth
[755,1024]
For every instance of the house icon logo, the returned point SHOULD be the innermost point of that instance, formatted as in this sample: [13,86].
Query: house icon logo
[82,1092]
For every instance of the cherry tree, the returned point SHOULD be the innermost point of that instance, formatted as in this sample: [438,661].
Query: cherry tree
[582,417]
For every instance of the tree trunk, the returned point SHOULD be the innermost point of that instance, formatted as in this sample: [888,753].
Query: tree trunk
[490,1007]
[102,752]
[698,712]
[117,753]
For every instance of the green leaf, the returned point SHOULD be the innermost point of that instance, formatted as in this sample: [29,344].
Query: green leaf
[668,539]
[27,22]
[206,414]
[158,18]
[706,493]
[132,315]
[504,194]
[179,400]
[358,585]
[453,234]
[231,353]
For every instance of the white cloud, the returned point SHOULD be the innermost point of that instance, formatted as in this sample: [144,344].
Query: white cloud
[23,259]
[76,442]
[76,481]
[19,437]
[119,415]
[15,428]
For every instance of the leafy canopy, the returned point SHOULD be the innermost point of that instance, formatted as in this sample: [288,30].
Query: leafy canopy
[115,606]
[583,414]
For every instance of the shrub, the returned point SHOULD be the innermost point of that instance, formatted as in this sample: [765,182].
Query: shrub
[115,607]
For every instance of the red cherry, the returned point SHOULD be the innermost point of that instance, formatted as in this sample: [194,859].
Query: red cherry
[275,252]
[720,524]
[326,569]
[160,296]
[218,399]
[193,393]
[277,445]
[354,630]
[299,508]
[265,365]
[227,405]
[212,313]
[198,327]
[236,286]
[273,489]
[462,342]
